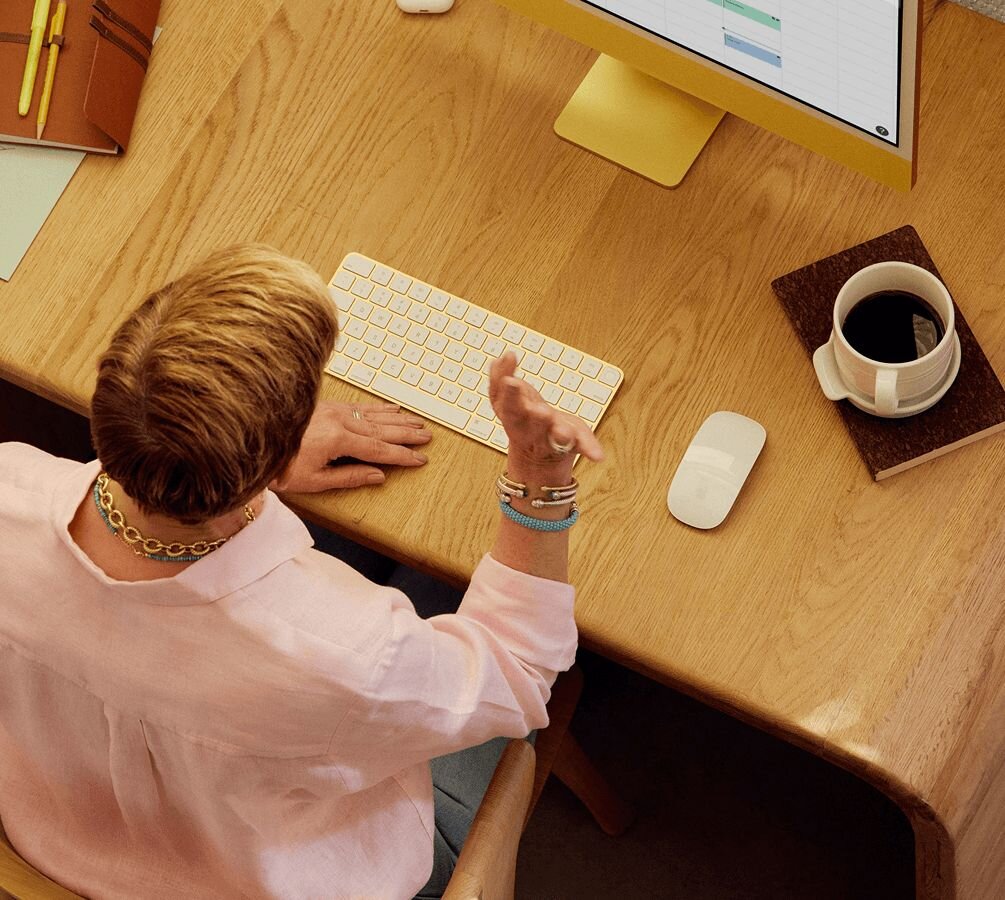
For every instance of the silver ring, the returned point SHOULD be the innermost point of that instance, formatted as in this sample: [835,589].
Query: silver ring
[561,448]
[356,414]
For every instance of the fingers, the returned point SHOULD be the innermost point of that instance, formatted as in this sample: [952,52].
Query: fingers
[348,476]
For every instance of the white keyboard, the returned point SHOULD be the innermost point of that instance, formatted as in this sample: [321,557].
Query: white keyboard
[430,351]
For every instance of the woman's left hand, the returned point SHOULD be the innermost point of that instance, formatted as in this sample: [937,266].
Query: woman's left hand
[369,432]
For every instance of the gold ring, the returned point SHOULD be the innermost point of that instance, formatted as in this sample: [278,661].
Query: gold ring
[561,448]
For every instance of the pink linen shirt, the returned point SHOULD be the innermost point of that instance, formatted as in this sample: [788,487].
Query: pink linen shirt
[258,725]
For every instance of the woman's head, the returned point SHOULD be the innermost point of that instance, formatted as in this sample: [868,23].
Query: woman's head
[206,389]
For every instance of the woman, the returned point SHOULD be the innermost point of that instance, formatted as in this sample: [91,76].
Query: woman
[195,703]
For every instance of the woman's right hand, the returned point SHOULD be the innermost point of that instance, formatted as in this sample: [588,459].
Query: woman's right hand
[535,428]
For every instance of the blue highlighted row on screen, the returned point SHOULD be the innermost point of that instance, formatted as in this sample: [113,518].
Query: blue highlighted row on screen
[735,43]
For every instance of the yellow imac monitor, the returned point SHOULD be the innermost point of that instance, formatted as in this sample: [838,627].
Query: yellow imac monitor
[839,77]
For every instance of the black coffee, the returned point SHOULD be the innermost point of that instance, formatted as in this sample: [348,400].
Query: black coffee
[893,327]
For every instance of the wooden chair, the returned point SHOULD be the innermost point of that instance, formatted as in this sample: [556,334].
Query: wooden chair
[22,881]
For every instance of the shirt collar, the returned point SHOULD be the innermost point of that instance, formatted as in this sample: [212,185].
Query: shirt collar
[275,537]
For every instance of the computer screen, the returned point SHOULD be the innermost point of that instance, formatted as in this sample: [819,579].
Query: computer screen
[838,76]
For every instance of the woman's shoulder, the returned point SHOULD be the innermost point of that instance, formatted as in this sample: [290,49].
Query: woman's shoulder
[28,468]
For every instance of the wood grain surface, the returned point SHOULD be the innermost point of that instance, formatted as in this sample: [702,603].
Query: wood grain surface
[863,621]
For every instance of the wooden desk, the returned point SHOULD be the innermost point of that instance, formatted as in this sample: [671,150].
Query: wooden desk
[862,621]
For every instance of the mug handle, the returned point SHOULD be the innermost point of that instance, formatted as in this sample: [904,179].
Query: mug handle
[886,391]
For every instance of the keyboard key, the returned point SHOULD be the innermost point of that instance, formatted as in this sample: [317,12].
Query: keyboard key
[381,296]
[342,340]
[343,280]
[381,274]
[483,386]
[411,354]
[449,392]
[590,367]
[494,325]
[485,409]
[469,401]
[420,401]
[590,411]
[494,347]
[499,438]
[361,374]
[475,316]
[593,391]
[374,336]
[358,265]
[401,283]
[532,363]
[400,304]
[480,428]
[571,381]
[380,318]
[362,288]
[552,393]
[551,372]
[431,362]
[436,342]
[431,383]
[417,334]
[457,307]
[534,382]
[343,319]
[438,299]
[342,300]
[392,366]
[455,351]
[514,333]
[532,341]
[398,326]
[361,309]
[437,321]
[355,328]
[474,338]
[450,371]
[411,375]
[469,379]
[340,365]
[571,358]
[393,344]
[419,291]
[417,312]
[374,358]
[569,402]
[474,359]
[354,349]
[457,330]
[552,350]
[609,376]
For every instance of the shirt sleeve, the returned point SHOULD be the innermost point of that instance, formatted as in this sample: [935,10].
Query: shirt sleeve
[454,681]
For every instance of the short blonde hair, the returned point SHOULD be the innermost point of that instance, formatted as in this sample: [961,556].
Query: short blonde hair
[205,391]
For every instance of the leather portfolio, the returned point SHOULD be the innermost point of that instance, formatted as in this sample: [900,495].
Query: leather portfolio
[102,62]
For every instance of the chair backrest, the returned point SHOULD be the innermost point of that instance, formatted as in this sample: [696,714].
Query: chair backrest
[22,880]
[486,869]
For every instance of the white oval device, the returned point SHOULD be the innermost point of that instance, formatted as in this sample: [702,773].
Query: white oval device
[714,468]
[424,6]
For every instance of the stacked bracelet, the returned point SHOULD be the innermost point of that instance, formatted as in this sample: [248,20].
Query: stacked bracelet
[540,524]
[564,495]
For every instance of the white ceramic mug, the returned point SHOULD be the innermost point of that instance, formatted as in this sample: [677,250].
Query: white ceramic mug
[889,389]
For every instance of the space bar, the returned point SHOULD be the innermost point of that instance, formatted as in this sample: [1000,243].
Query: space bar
[419,401]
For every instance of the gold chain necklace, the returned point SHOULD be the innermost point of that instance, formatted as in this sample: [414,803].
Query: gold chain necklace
[147,547]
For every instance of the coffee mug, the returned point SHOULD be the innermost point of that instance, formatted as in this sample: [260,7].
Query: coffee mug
[883,388]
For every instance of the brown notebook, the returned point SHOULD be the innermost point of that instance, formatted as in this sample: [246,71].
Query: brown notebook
[974,407]
[102,62]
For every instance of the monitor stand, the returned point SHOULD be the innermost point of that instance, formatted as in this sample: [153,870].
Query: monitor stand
[637,121]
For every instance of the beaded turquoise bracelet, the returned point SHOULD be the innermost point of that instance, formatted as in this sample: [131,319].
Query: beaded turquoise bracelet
[540,524]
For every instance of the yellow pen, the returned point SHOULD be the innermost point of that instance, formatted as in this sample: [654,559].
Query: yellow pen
[39,19]
[55,30]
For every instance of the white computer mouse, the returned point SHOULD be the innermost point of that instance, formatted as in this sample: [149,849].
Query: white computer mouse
[424,6]
[714,468]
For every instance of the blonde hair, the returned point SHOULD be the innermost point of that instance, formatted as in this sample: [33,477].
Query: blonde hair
[205,391]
